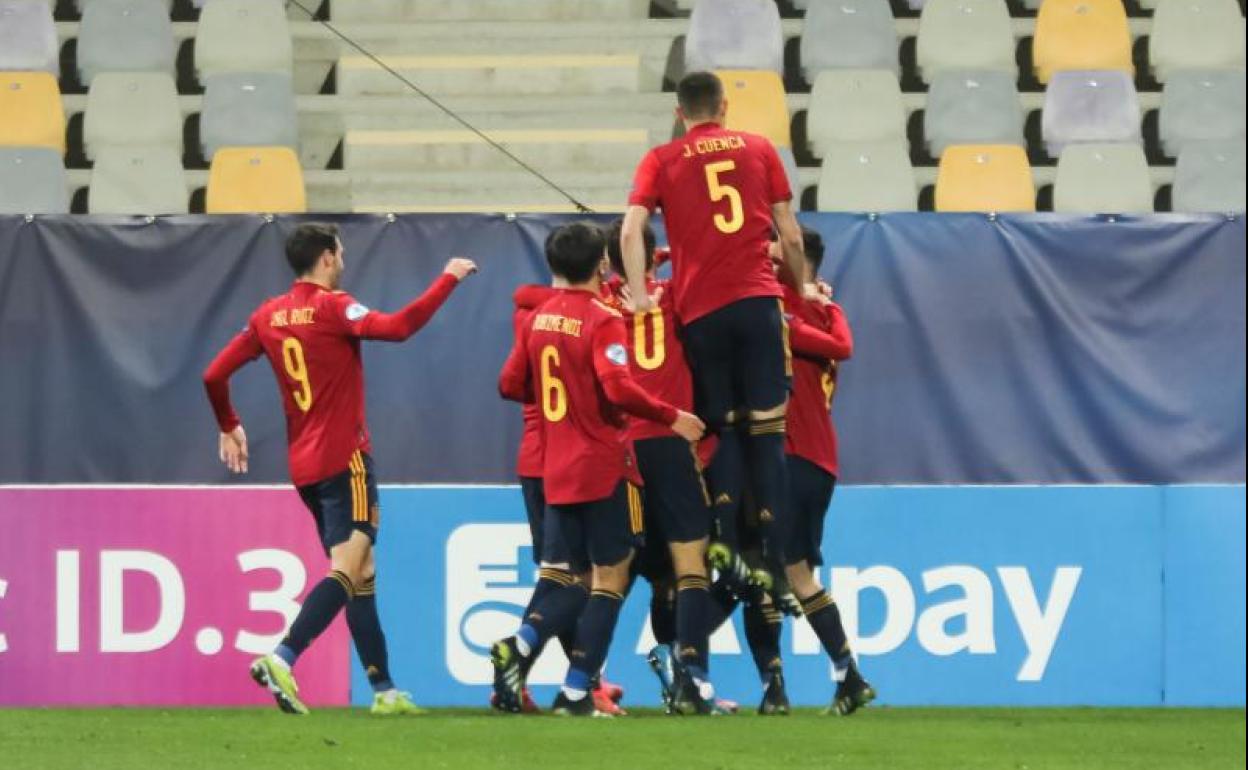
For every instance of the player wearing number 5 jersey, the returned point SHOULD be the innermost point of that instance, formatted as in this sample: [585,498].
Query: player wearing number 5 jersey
[311,337]
[721,192]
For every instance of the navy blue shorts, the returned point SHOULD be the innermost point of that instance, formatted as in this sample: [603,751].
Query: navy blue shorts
[602,532]
[678,509]
[810,494]
[344,503]
[534,492]
[739,356]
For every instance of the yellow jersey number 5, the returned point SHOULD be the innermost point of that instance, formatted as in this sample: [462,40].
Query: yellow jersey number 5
[719,191]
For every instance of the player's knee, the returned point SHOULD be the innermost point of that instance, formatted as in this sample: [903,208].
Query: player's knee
[689,558]
[802,579]
[613,577]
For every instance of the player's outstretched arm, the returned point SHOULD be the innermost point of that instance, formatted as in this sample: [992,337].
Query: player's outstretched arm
[397,327]
[611,368]
[232,444]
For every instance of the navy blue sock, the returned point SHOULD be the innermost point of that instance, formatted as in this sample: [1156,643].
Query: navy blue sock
[769,484]
[723,603]
[725,477]
[663,615]
[557,603]
[763,624]
[825,618]
[693,600]
[369,639]
[318,611]
[593,636]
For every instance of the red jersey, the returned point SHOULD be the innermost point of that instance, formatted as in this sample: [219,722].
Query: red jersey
[311,336]
[716,188]
[821,338]
[529,458]
[573,361]
[657,360]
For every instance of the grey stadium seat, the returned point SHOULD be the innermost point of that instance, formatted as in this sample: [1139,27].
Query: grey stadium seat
[868,176]
[243,36]
[734,35]
[132,108]
[1103,179]
[138,180]
[125,36]
[244,109]
[32,181]
[965,34]
[790,171]
[1081,106]
[1199,105]
[1210,177]
[28,39]
[855,106]
[973,107]
[1191,34]
[848,34]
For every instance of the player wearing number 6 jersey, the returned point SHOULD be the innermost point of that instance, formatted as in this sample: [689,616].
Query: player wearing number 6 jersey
[311,337]
[572,359]
[720,192]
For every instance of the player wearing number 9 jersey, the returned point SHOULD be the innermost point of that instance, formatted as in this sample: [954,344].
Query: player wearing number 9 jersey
[311,337]
[721,193]
[573,361]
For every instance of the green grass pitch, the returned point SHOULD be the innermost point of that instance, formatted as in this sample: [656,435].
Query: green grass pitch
[886,738]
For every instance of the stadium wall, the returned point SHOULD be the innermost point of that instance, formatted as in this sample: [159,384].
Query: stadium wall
[1096,595]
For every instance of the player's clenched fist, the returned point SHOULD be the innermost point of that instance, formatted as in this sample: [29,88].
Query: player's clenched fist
[460,268]
[689,427]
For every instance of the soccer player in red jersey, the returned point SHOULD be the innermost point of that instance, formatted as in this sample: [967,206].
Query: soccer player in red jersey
[573,361]
[720,192]
[811,452]
[311,337]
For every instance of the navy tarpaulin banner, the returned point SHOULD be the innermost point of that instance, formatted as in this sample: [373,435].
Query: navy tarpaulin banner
[1013,349]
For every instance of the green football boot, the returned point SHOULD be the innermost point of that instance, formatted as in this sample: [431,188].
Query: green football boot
[272,673]
[395,703]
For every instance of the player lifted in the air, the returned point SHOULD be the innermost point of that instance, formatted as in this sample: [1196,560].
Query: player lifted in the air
[311,337]
[573,361]
[720,192]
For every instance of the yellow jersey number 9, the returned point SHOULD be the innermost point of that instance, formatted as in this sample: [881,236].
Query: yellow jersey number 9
[297,368]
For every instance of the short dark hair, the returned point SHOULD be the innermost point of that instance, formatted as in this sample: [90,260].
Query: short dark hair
[699,95]
[307,243]
[812,243]
[614,252]
[574,251]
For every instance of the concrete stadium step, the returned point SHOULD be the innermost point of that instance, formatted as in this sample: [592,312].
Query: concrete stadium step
[548,150]
[569,75]
[509,191]
[497,10]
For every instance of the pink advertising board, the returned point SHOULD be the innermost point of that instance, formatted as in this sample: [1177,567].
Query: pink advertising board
[156,596]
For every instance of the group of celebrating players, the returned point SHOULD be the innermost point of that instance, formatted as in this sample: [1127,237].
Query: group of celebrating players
[675,430]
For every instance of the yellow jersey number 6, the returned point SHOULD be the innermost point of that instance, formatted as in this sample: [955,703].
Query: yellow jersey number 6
[554,393]
[292,358]
[719,191]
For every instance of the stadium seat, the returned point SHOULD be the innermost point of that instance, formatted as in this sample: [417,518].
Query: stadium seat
[1199,105]
[137,180]
[1210,177]
[854,106]
[985,177]
[125,36]
[790,171]
[1103,179]
[972,107]
[867,177]
[132,108]
[28,39]
[848,34]
[31,104]
[255,180]
[756,104]
[243,36]
[1081,35]
[965,34]
[735,35]
[1090,107]
[1196,34]
[32,181]
[248,110]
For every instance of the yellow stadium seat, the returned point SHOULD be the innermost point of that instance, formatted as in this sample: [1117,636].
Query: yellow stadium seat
[1081,35]
[985,177]
[31,105]
[250,180]
[756,104]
